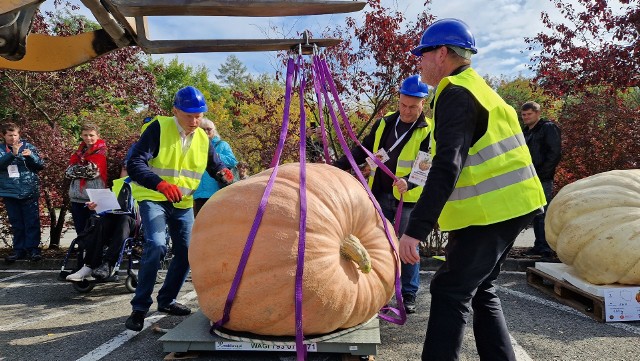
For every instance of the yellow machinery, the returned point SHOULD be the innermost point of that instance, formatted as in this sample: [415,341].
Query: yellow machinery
[124,23]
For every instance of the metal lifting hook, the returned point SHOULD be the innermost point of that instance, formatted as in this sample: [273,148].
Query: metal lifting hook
[305,47]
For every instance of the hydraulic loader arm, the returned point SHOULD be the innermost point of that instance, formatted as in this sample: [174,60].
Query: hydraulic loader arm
[15,24]
[124,23]
[53,53]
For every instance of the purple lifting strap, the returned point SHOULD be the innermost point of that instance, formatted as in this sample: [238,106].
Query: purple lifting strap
[291,68]
[321,77]
[354,138]
[317,86]
[321,72]
[301,349]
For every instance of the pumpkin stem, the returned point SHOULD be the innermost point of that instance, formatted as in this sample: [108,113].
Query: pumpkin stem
[352,249]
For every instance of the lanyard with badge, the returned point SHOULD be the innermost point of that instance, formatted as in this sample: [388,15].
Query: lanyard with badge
[12,169]
[421,167]
[383,155]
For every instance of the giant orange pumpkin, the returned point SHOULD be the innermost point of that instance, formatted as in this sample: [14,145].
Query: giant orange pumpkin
[349,265]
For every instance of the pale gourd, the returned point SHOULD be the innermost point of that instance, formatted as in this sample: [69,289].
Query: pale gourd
[594,225]
[349,264]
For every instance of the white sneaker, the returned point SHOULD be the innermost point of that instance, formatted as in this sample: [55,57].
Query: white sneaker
[83,273]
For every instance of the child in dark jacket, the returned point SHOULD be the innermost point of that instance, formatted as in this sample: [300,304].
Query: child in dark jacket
[20,190]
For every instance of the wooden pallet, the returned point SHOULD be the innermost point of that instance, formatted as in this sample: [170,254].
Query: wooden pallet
[587,303]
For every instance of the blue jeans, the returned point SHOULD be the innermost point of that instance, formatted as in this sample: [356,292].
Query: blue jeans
[409,273]
[538,222]
[24,217]
[156,216]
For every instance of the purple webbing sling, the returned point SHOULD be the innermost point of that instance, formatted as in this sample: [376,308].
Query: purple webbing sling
[301,349]
[321,73]
[321,77]
[291,69]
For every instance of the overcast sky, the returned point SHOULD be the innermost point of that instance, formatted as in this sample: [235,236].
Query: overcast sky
[499,26]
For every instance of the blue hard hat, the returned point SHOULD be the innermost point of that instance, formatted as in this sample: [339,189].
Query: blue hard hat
[451,32]
[190,100]
[412,86]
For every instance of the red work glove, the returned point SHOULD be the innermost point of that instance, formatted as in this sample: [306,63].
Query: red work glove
[225,176]
[171,191]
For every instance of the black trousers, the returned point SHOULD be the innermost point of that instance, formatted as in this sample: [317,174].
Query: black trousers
[474,257]
[114,228]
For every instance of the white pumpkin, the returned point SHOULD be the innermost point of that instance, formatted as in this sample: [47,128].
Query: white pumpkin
[594,225]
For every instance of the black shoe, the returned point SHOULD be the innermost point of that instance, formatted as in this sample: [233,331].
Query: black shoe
[15,256]
[102,272]
[534,251]
[175,309]
[409,303]
[35,257]
[135,321]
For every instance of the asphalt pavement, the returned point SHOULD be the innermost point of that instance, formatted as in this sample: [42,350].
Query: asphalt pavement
[42,318]
[45,319]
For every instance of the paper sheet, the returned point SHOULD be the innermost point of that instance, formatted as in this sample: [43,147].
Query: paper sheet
[104,199]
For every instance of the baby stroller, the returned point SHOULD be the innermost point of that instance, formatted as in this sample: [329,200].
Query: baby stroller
[131,249]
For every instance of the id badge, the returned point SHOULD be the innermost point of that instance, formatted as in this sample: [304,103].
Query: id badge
[382,155]
[420,169]
[13,171]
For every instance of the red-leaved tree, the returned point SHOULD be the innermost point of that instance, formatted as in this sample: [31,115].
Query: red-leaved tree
[597,45]
[374,57]
[591,62]
[600,133]
[51,106]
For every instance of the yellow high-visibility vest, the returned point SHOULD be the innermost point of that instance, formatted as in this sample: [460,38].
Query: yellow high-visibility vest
[498,181]
[184,169]
[117,186]
[405,160]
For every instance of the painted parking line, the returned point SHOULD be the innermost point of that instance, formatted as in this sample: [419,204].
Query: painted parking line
[114,343]
[521,354]
[119,340]
[24,273]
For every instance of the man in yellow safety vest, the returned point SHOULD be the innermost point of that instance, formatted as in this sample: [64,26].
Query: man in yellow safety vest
[166,165]
[482,188]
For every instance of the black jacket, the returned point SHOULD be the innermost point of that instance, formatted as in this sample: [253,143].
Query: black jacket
[463,122]
[544,145]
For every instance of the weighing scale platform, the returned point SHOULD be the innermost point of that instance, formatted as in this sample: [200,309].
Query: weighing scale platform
[193,334]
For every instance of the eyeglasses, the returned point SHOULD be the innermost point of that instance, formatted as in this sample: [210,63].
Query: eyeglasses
[430,48]
[208,129]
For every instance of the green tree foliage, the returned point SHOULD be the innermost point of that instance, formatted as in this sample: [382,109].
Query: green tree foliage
[254,130]
[233,73]
[172,76]
[519,90]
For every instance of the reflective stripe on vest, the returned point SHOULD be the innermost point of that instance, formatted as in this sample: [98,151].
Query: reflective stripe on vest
[405,160]
[175,166]
[493,184]
[498,181]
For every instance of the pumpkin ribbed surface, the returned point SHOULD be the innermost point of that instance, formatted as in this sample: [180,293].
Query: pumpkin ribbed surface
[336,292]
[594,225]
